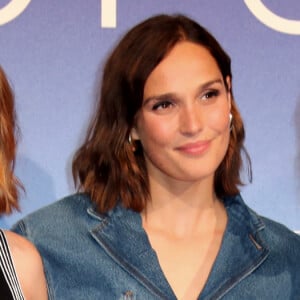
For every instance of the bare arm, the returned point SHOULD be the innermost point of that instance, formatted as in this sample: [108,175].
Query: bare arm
[29,267]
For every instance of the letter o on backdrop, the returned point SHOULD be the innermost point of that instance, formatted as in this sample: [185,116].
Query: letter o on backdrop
[12,10]
[270,19]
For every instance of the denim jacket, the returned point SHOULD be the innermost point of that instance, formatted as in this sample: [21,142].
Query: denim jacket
[92,256]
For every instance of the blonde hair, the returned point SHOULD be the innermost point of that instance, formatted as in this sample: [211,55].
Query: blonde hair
[9,184]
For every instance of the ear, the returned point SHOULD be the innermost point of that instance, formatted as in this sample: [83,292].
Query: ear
[134,134]
[229,92]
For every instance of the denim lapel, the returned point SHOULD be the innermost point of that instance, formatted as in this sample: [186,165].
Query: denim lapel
[242,250]
[121,235]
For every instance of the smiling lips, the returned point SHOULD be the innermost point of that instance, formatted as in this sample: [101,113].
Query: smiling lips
[197,148]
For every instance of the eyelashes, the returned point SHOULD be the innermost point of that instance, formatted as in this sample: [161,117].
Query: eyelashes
[162,105]
[166,104]
[211,94]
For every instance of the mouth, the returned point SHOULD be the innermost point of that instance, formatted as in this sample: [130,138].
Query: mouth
[196,148]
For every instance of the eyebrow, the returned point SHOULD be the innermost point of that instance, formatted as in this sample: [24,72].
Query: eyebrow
[167,96]
[209,83]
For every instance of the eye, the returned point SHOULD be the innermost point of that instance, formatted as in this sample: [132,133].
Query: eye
[162,105]
[210,94]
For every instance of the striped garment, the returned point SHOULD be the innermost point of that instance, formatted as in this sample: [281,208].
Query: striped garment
[9,285]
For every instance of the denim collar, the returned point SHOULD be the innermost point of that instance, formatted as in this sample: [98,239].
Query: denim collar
[242,250]
[121,235]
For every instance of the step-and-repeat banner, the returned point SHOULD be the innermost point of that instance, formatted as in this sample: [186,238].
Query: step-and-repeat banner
[53,51]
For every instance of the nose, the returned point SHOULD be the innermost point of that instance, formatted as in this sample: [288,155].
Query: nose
[191,120]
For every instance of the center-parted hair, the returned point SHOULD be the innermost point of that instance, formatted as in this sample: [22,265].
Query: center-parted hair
[106,166]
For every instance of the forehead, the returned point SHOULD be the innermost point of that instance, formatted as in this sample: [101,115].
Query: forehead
[186,63]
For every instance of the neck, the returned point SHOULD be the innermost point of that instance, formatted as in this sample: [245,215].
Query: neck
[183,208]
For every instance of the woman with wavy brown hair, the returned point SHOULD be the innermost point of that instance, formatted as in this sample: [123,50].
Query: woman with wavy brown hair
[160,215]
[21,269]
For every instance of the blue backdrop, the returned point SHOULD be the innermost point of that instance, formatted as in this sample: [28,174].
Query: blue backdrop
[52,52]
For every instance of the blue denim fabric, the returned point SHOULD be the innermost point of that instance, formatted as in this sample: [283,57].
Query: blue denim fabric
[92,256]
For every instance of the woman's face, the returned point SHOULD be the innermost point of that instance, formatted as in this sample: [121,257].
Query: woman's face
[183,124]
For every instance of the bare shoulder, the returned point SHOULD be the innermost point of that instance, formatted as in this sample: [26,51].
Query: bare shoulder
[27,260]
[21,246]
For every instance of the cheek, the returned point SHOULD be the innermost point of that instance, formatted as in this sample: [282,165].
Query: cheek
[219,120]
[154,131]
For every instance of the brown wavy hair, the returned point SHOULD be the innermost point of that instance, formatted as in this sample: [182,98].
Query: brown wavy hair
[9,184]
[105,165]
